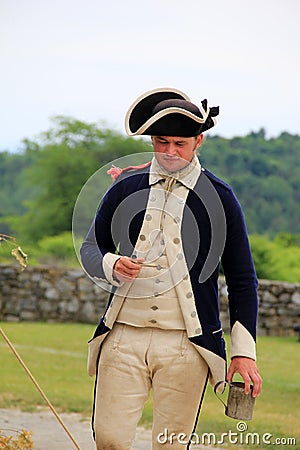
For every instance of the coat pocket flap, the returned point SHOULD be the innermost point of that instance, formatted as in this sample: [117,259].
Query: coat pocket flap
[93,353]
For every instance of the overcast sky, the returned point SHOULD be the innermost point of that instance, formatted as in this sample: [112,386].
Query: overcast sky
[90,59]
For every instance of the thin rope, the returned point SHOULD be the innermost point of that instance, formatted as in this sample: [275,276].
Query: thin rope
[38,387]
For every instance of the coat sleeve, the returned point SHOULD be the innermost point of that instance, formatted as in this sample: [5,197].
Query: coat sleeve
[99,251]
[241,281]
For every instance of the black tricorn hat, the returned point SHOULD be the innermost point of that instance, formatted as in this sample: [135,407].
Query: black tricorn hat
[168,112]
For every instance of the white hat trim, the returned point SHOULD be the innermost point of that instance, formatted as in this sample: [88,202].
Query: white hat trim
[146,94]
[165,112]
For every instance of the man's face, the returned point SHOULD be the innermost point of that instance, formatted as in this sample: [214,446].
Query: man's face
[174,153]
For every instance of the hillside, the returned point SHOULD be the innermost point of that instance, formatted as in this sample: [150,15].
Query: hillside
[264,174]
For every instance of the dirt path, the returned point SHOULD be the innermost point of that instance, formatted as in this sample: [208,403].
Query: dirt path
[48,434]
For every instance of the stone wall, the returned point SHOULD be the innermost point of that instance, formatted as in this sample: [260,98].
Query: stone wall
[57,295]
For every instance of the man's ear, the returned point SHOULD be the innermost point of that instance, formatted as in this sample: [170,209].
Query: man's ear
[199,140]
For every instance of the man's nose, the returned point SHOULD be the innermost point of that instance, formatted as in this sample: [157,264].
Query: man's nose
[171,150]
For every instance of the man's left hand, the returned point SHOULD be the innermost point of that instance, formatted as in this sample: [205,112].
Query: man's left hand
[247,368]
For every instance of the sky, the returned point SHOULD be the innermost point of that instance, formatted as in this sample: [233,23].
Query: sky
[91,59]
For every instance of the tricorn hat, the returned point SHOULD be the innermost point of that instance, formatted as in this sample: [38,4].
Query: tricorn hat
[168,112]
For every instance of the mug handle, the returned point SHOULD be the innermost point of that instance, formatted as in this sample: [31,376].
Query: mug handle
[215,391]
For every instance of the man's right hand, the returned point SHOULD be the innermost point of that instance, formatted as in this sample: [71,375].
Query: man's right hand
[127,269]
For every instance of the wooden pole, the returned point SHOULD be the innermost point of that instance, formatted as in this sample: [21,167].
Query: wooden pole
[38,387]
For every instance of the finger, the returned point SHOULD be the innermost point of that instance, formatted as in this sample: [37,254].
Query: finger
[230,374]
[129,273]
[128,263]
[133,265]
[257,385]
[247,384]
[123,272]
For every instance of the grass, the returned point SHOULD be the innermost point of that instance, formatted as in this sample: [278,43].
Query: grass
[56,355]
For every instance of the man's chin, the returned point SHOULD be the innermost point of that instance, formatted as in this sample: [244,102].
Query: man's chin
[174,166]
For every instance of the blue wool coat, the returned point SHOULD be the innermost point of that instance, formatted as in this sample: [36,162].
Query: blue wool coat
[212,212]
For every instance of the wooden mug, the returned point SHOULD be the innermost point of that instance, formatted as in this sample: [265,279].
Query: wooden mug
[239,405]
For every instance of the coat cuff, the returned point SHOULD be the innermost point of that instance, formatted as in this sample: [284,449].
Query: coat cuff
[108,262]
[242,343]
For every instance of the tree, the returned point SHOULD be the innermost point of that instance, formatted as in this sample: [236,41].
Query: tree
[64,158]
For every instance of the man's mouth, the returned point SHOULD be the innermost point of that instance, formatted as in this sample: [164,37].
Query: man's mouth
[171,158]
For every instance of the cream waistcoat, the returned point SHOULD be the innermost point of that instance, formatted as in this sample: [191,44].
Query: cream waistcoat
[150,301]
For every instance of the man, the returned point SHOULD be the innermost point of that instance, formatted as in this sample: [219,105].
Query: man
[158,238]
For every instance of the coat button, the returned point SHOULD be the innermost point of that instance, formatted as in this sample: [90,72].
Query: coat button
[189,295]
[154,308]
[142,237]
[157,281]
[176,240]
[156,294]
[186,277]
[180,256]
[152,198]
[148,217]
[193,314]
[153,321]
[158,267]
[198,330]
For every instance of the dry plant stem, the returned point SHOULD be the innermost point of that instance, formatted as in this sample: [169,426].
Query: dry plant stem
[38,387]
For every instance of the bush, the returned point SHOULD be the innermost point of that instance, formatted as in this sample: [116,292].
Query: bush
[55,249]
[275,260]
[23,441]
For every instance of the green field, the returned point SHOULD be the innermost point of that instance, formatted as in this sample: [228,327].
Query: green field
[56,354]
